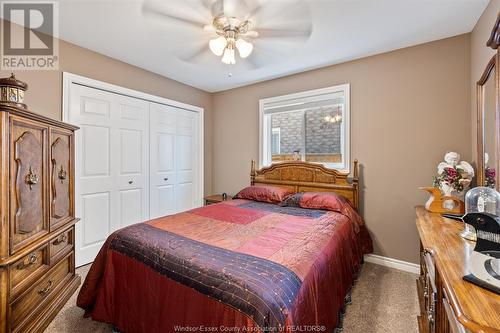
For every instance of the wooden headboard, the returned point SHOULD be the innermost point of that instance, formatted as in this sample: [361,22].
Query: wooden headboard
[309,177]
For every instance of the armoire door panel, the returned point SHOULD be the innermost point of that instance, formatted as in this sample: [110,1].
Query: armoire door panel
[28,174]
[61,174]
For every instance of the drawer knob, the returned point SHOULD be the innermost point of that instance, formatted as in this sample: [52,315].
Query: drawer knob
[62,174]
[31,178]
[45,290]
[131,182]
[60,240]
[165,179]
[32,258]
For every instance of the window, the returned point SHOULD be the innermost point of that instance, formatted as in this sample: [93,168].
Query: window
[309,126]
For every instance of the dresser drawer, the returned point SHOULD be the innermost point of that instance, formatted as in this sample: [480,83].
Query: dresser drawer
[31,302]
[455,326]
[427,292]
[27,270]
[430,268]
[61,245]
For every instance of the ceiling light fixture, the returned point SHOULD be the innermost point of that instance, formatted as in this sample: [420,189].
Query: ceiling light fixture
[231,33]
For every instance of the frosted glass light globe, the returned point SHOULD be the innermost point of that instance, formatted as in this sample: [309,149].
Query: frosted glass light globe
[217,45]
[244,47]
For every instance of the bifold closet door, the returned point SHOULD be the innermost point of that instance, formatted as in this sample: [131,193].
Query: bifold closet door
[174,158]
[112,165]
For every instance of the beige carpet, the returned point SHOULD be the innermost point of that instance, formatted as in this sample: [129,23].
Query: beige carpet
[384,300]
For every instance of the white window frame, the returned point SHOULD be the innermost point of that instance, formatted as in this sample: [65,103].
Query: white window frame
[265,134]
[275,131]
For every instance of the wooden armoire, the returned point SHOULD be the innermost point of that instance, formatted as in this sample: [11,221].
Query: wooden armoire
[37,259]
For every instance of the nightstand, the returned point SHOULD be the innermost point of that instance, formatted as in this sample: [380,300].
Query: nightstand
[213,199]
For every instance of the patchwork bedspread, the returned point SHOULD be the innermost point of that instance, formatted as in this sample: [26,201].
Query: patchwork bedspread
[235,266]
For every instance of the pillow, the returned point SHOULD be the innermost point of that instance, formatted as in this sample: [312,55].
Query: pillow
[264,193]
[316,200]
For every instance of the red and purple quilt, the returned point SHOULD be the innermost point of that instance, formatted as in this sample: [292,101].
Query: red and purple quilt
[239,265]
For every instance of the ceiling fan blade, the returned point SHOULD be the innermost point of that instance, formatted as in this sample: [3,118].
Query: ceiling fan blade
[152,8]
[217,8]
[251,34]
[195,55]
[253,10]
[252,62]
[209,28]
[284,33]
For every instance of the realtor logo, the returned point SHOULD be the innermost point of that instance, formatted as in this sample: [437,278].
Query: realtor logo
[27,41]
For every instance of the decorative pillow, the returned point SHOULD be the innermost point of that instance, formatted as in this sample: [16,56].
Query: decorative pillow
[316,200]
[264,193]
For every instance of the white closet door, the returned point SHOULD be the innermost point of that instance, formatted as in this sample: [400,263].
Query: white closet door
[174,159]
[111,165]
[186,160]
[162,131]
[132,157]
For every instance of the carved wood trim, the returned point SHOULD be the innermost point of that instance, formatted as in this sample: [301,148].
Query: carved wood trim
[27,114]
[20,156]
[305,176]
[53,179]
[19,179]
[493,42]
[61,180]
[494,39]
[487,74]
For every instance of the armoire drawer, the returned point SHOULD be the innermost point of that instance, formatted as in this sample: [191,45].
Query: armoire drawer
[27,270]
[31,302]
[61,245]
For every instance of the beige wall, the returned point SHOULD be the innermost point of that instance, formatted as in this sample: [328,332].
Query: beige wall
[408,107]
[45,88]
[480,54]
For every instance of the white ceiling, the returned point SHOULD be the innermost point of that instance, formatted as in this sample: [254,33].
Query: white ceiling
[342,30]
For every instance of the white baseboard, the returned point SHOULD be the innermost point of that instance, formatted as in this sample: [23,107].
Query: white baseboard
[393,263]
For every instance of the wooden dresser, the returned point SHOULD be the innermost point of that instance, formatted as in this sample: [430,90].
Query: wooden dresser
[447,302]
[37,260]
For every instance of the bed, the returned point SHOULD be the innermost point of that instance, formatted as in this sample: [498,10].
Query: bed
[239,266]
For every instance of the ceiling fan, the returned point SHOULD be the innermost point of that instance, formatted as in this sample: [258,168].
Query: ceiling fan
[253,29]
